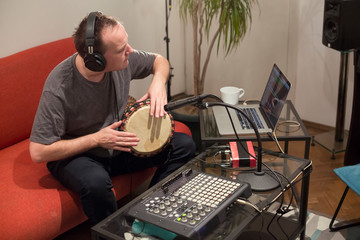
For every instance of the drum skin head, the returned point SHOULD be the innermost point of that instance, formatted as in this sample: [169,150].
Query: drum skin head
[154,133]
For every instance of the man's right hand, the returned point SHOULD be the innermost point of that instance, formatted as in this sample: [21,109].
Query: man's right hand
[110,138]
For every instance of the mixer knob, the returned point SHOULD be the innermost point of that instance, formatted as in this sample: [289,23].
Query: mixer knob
[199,206]
[207,209]
[184,219]
[162,206]
[167,202]
[202,213]
[197,217]
[164,213]
[190,215]
[169,209]
[156,210]
[172,198]
[194,210]
[192,222]
[174,205]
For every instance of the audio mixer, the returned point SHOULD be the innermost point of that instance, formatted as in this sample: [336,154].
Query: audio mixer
[190,203]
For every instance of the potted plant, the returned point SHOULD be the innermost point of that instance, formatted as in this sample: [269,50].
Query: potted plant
[221,22]
[227,21]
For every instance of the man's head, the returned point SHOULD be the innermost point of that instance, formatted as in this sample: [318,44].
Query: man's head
[110,41]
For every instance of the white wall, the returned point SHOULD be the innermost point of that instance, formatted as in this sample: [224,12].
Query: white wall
[284,32]
[250,65]
[25,24]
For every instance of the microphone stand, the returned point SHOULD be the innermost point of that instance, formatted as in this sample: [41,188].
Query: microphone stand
[167,40]
[259,180]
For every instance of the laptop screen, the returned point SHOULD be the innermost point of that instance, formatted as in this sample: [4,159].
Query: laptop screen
[275,95]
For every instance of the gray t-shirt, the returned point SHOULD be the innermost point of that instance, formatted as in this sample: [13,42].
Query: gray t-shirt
[71,106]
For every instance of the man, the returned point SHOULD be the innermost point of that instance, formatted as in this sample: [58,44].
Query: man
[76,125]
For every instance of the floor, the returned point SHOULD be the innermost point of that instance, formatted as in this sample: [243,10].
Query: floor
[326,188]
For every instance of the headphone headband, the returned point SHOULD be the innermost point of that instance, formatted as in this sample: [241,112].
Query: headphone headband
[90,32]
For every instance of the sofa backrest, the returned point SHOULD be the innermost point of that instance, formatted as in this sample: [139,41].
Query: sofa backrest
[22,76]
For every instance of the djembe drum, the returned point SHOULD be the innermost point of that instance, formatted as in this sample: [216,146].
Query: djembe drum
[154,133]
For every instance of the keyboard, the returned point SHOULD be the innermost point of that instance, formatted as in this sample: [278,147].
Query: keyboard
[189,203]
[253,115]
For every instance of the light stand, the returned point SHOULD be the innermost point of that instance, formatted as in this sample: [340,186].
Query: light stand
[259,180]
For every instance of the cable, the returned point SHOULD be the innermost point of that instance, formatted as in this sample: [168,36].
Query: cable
[289,123]
[246,202]
[277,142]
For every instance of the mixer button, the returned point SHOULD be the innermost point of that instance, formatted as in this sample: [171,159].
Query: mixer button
[192,222]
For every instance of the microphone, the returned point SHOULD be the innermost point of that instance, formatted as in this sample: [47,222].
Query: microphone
[180,103]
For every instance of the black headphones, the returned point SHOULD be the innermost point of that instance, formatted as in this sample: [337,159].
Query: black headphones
[94,61]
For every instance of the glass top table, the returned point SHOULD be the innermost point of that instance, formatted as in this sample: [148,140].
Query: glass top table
[243,217]
[290,127]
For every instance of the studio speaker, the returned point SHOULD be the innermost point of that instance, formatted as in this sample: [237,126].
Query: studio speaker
[341,26]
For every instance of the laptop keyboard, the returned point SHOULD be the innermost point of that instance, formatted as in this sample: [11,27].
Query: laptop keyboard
[252,114]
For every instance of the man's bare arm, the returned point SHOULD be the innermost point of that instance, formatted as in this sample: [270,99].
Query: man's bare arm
[108,138]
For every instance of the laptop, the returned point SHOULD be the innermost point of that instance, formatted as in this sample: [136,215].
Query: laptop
[264,114]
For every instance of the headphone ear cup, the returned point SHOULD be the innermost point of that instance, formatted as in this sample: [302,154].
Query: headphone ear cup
[95,62]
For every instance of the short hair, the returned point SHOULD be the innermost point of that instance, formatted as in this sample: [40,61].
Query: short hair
[79,34]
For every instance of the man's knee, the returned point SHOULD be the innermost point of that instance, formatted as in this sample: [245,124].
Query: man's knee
[98,186]
[184,145]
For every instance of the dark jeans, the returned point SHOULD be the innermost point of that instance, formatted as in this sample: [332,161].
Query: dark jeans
[89,176]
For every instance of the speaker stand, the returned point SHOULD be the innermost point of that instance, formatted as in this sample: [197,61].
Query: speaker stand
[336,141]
[352,154]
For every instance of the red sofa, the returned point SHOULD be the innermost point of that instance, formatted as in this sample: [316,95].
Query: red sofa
[33,204]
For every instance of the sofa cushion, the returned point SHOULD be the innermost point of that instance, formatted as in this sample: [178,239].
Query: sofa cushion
[31,197]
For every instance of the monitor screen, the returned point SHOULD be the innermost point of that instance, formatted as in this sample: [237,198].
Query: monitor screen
[275,94]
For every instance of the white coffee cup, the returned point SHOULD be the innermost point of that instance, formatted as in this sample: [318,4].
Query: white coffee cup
[231,95]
